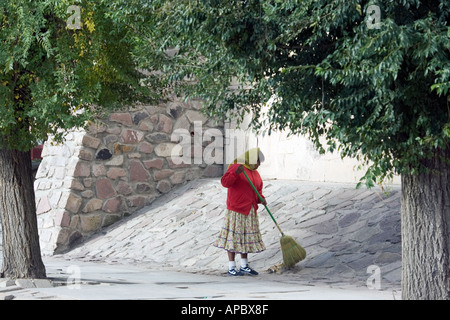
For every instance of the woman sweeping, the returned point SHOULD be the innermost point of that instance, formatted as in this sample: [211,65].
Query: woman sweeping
[240,232]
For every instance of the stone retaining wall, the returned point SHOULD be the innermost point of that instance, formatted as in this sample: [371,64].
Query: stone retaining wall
[121,164]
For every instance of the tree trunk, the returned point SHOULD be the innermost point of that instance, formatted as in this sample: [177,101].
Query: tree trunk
[21,250]
[426,231]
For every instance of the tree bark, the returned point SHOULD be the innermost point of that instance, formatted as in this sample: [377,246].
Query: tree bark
[21,249]
[426,231]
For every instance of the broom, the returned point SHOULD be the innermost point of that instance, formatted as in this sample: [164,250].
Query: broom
[291,250]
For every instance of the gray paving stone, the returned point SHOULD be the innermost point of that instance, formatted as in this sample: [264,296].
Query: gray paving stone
[34,283]
[343,229]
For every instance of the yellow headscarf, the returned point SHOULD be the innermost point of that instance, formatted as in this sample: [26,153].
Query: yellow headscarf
[249,159]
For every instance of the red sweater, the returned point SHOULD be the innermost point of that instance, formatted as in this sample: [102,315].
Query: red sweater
[241,196]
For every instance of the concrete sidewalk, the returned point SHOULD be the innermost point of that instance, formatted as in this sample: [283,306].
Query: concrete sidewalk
[75,280]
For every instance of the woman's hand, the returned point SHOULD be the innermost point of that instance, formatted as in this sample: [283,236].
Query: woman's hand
[264,202]
[239,169]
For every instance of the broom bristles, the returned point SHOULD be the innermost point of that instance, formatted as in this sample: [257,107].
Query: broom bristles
[292,251]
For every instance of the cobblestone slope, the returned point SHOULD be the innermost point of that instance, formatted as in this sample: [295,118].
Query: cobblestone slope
[350,235]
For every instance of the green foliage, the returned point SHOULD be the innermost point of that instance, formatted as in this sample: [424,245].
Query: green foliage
[54,78]
[378,94]
[381,94]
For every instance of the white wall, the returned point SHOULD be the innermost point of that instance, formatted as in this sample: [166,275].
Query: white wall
[295,158]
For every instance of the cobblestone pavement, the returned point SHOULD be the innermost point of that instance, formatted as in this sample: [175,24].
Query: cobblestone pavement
[350,235]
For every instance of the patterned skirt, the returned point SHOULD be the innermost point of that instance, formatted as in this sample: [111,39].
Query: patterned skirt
[240,233]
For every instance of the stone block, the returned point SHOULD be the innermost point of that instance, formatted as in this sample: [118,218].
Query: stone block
[25,283]
[164,186]
[137,171]
[7,283]
[319,260]
[122,118]
[90,223]
[164,149]
[175,110]
[178,177]
[63,236]
[132,136]
[73,203]
[327,227]
[82,169]
[162,174]
[115,173]
[43,206]
[115,161]
[123,188]
[134,155]
[146,147]
[57,161]
[42,185]
[59,173]
[97,127]
[155,163]
[139,116]
[173,165]
[87,194]
[47,221]
[157,137]
[136,201]
[111,138]
[112,205]
[164,124]
[90,142]
[93,205]
[104,189]
[143,188]
[110,219]
[43,283]
[349,219]
[85,154]
[387,257]
[113,130]
[98,170]
[154,118]
[146,125]
[62,218]
[123,148]
[88,182]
